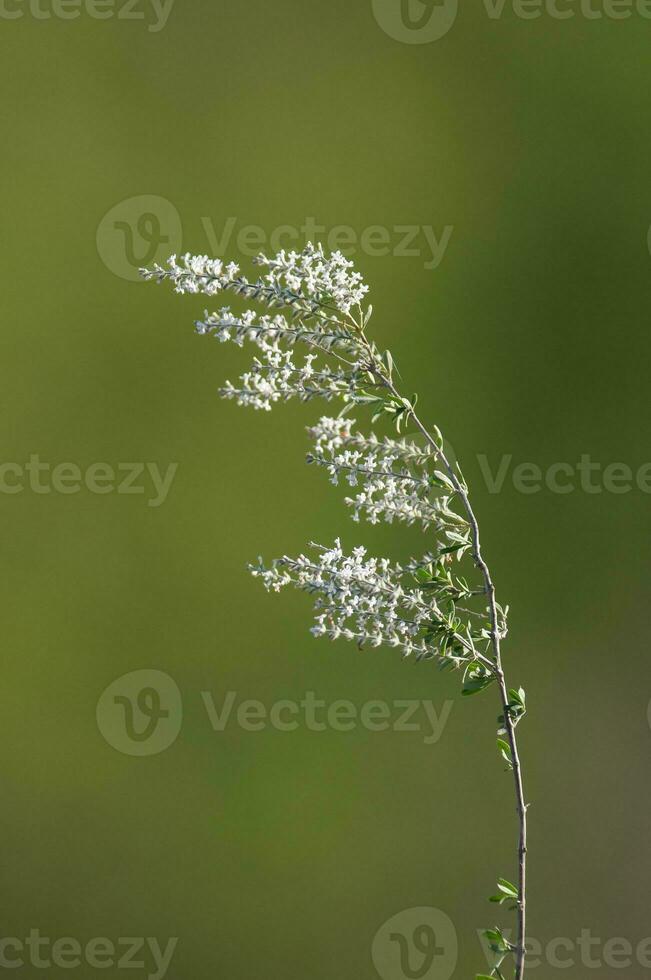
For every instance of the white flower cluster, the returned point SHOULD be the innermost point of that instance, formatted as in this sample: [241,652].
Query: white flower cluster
[225,325]
[306,281]
[397,485]
[357,598]
[326,279]
[274,376]
[333,434]
[195,274]
[277,378]
[201,274]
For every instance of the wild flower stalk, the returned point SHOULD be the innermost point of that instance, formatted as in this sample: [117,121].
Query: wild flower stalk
[440,607]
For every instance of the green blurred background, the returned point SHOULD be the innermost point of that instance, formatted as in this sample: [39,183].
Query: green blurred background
[281,854]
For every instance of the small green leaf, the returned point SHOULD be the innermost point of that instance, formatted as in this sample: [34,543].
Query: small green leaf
[505,750]
[438,437]
[444,479]
[451,549]
[508,889]
[518,700]
[476,679]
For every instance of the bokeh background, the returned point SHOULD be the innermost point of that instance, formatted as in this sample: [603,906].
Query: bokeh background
[283,853]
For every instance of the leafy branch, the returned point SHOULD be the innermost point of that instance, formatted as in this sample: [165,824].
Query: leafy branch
[423,608]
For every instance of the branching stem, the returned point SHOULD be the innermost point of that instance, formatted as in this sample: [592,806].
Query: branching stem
[521,806]
[496,664]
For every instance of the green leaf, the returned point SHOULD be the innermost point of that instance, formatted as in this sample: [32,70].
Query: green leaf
[508,889]
[476,679]
[451,549]
[505,750]
[455,536]
[498,943]
[517,699]
[444,479]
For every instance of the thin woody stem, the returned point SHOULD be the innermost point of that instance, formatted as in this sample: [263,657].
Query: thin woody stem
[521,806]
